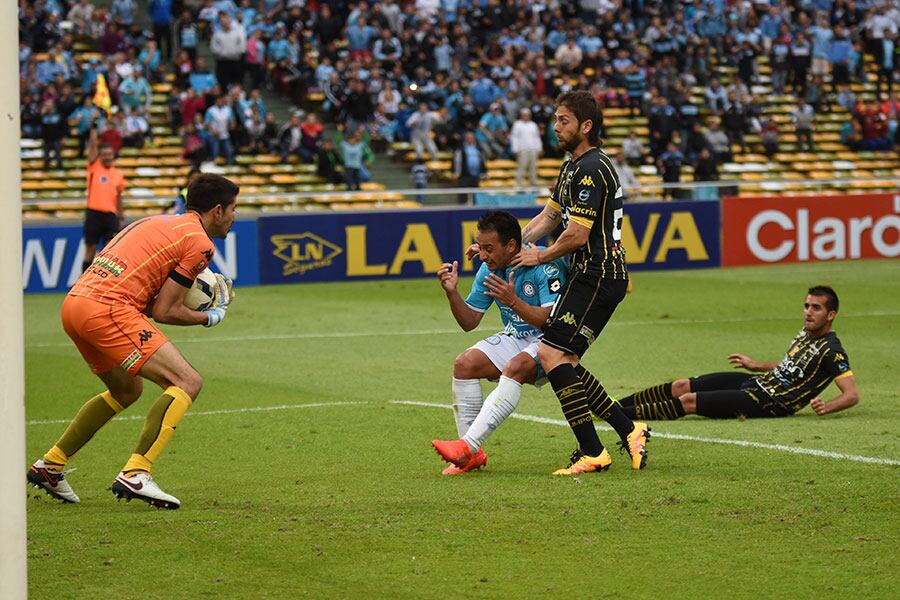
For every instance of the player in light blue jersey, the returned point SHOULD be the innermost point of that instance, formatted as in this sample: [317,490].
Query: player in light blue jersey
[524,299]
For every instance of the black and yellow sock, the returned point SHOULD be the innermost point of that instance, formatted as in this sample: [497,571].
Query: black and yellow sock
[602,405]
[164,416]
[94,414]
[654,404]
[573,400]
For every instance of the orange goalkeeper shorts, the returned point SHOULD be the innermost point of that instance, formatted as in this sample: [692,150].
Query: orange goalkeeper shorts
[110,335]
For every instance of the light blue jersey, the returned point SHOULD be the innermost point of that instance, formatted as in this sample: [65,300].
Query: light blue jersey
[538,286]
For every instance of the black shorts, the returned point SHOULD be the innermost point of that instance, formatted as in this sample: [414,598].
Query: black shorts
[582,310]
[100,226]
[734,395]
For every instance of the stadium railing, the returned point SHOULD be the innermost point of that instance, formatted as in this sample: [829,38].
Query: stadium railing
[524,196]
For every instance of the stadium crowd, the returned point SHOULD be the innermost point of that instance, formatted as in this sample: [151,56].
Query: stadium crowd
[475,77]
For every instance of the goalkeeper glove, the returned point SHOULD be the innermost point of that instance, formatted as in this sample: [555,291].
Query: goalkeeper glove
[224,296]
[214,316]
[224,290]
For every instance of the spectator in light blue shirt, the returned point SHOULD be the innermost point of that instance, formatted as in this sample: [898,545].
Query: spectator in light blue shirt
[353,150]
[226,6]
[47,70]
[589,42]
[135,91]
[359,36]
[123,11]
[150,58]
[511,39]
[201,79]
[81,119]
[840,54]
[55,7]
[324,71]
[821,35]
[254,100]
[247,14]
[534,44]
[483,91]
[450,8]
[556,38]
[491,132]
[443,55]
[280,48]
[770,23]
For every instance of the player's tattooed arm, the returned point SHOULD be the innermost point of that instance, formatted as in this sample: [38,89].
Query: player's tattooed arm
[545,222]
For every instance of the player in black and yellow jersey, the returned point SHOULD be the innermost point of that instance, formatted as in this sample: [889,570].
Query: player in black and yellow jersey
[814,359]
[587,201]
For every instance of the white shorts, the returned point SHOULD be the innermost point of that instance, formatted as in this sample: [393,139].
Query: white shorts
[502,347]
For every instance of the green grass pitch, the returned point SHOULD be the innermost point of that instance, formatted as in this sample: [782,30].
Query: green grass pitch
[345,498]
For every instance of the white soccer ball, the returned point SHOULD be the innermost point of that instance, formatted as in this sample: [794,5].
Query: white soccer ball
[204,293]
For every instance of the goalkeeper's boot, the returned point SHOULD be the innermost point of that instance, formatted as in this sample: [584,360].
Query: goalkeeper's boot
[456,452]
[478,460]
[140,485]
[582,463]
[52,482]
[636,445]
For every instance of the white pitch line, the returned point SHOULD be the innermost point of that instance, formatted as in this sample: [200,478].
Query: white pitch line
[204,413]
[385,333]
[691,438]
[521,417]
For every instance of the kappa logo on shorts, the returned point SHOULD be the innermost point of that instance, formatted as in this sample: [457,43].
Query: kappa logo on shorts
[131,360]
[569,319]
[145,336]
[528,289]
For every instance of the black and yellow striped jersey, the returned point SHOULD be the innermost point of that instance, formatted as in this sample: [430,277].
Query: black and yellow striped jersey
[807,369]
[588,193]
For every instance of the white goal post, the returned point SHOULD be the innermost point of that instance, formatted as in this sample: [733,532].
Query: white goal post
[13,578]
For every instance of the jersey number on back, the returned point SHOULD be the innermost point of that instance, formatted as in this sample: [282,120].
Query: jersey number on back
[618,215]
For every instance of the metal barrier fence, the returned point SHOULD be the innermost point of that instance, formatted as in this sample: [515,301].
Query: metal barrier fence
[523,196]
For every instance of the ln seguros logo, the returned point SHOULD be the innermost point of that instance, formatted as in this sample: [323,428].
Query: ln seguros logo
[303,252]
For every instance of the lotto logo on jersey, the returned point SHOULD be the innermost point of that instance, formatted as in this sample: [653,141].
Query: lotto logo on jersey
[555,285]
[587,180]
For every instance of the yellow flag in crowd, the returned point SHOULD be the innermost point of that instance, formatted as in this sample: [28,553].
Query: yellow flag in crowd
[101,96]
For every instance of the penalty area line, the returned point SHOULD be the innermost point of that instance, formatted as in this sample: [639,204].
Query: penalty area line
[690,438]
[206,413]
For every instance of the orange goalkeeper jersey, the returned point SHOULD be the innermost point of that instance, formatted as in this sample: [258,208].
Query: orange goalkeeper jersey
[133,266]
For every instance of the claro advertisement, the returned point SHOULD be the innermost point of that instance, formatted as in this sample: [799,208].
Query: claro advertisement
[810,228]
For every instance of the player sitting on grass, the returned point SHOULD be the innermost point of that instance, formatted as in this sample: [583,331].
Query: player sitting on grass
[145,271]
[814,359]
[524,300]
